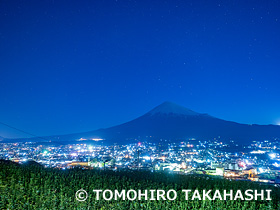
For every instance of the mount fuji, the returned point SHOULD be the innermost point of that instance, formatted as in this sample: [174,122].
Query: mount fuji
[173,122]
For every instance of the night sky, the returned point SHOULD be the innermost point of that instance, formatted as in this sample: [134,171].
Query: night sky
[73,66]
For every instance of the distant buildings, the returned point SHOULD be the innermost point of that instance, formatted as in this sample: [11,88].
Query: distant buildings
[259,161]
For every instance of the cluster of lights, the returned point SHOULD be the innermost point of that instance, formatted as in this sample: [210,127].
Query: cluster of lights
[272,155]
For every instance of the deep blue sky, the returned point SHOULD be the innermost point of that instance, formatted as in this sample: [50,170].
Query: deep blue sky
[71,66]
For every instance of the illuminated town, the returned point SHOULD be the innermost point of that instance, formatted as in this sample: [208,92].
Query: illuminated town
[259,161]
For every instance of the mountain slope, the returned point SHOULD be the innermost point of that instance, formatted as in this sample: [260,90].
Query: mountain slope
[173,122]
[169,121]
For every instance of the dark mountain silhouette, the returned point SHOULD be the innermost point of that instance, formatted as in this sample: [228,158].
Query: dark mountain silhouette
[170,121]
[8,162]
[32,163]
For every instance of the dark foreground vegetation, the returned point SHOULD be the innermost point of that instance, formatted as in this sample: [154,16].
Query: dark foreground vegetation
[31,186]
